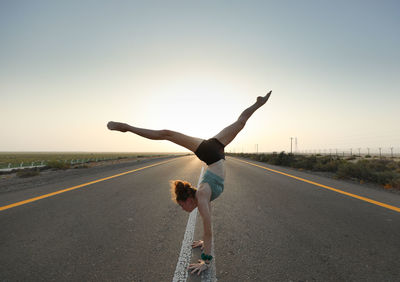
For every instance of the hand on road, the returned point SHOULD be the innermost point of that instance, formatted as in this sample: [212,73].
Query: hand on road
[200,267]
[197,244]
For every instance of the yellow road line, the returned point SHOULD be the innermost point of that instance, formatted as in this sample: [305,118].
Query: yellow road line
[329,188]
[73,188]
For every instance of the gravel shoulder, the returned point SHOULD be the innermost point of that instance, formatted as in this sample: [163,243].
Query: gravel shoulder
[11,182]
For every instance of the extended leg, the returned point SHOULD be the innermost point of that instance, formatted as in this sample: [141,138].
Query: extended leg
[229,133]
[183,140]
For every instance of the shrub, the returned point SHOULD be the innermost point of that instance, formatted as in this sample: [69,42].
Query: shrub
[376,171]
[380,171]
[396,183]
[331,165]
[58,165]
[385,177]
[306,162]
[378,165]
[261,158]
[347,170]
[282,159]
[27,173]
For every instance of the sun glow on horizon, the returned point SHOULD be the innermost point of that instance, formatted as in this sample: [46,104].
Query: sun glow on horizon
[194,105]
[194,68]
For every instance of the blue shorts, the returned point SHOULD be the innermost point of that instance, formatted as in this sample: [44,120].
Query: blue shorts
[216,183]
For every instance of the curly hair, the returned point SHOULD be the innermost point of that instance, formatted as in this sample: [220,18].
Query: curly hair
[181,190]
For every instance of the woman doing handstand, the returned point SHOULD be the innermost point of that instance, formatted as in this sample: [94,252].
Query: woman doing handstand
[210,151]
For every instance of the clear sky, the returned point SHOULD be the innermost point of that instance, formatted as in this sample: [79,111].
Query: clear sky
[68,67]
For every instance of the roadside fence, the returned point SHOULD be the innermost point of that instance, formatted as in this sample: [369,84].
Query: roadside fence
[42,163]
[365,152]
[381,152]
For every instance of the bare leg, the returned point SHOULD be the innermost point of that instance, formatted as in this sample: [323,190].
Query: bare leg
[186,141]
[229,133]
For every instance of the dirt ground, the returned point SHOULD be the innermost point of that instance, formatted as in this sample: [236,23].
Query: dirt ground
[11,182]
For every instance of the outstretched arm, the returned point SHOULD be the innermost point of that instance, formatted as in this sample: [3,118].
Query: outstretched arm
[204,210]
[203,205]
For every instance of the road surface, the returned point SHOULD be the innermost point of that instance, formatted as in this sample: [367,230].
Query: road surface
[267,227]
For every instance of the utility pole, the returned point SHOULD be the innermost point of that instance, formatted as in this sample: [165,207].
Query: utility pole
[380,152]
[391,149]
[291,139]
[359,152]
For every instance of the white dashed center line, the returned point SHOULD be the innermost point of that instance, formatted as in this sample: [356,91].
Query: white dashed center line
[181,271]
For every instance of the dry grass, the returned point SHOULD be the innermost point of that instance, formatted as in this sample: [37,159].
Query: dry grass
[36,158]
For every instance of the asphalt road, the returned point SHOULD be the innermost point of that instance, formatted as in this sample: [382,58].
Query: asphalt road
[267,227]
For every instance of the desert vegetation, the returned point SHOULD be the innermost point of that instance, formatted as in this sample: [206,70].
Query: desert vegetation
[385,171]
